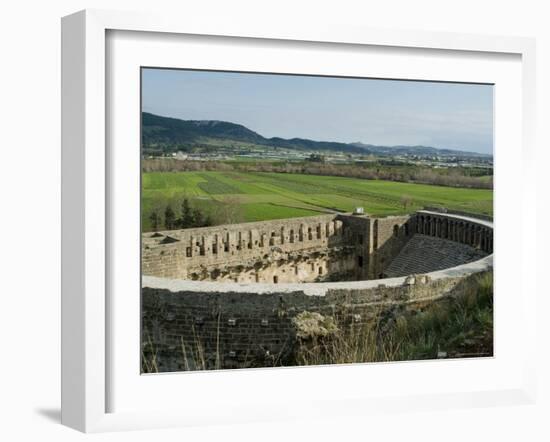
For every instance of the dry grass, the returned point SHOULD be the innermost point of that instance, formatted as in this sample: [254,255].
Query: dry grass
[461,326]
[149,357]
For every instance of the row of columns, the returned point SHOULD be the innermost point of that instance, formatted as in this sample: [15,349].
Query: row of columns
[462,231]
[216,244]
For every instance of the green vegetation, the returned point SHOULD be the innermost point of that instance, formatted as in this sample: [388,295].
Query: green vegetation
[460,326]
[403,170]
[234,196]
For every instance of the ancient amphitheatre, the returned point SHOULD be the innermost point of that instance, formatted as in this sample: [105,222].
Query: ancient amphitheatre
[234,291]
[255,251]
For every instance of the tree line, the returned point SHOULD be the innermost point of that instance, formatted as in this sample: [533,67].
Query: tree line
[188,217]
[451,177]
[183,214]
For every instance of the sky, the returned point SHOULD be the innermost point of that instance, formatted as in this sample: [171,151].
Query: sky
[454,116]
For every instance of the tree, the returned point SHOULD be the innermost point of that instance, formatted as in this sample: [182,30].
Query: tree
[154,218]
[316,158]
[169,217]
[198,218]
[187,217]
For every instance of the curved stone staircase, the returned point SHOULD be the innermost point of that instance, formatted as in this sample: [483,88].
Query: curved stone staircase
[424,254]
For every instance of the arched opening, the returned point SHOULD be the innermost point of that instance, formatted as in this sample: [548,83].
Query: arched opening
[275,279]
[396,230]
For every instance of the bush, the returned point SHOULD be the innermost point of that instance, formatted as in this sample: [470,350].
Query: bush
[458,326]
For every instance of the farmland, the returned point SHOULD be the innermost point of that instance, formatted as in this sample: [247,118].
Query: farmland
[264,196]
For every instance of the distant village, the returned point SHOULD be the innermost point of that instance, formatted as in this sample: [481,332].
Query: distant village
[279,154]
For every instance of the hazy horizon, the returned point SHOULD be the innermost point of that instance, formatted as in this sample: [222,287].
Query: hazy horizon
[453,116]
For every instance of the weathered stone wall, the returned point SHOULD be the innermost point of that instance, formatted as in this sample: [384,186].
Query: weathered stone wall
[388,236]
[474,232]
[312,249]
[192,329]
[358,230]
[300,249]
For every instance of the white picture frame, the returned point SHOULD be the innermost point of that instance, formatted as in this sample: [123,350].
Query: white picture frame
[86,315]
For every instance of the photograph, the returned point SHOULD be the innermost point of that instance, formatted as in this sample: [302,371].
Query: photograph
[292,220]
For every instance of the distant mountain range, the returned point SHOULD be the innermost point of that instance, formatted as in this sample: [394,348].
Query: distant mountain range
[172,134]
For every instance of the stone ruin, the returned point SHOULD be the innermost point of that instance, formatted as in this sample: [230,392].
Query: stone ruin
[237,289]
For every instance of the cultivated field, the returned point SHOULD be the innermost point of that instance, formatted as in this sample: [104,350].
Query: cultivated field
[263,196]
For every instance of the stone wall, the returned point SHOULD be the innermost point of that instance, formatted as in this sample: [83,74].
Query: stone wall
[388,236]
[312,249]
[464,229]
[185,328]
[299,249]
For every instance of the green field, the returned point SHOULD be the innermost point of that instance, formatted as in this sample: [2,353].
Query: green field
[263,196]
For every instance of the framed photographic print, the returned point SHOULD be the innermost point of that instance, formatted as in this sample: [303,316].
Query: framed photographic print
[290,222]
[323,252]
